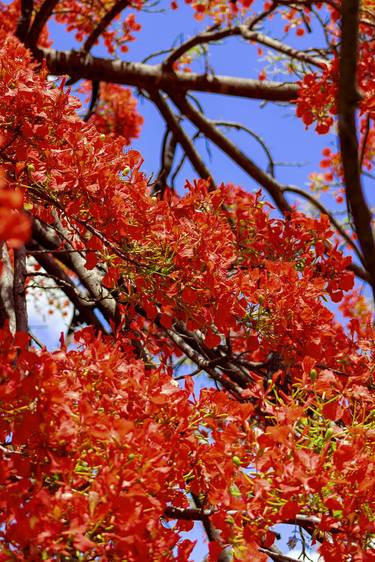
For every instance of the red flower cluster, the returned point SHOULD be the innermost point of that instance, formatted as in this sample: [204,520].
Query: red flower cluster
[116,112]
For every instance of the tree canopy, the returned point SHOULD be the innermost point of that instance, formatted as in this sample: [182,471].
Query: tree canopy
[219,362]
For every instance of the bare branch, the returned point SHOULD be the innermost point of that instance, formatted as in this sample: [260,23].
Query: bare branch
[23,23]
[167,158]
[104,23]
[180,135]
[258,138]
[204,364]
[347,101]
[276,556]
[94,99]
[213,34]
[40,20]
[19,289]
[364,142]
[92,280]
[6,290]
[210,131]
[149,77]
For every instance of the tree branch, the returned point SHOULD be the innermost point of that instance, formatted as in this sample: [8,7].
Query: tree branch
[210,131]
[168,153]
[104,23]
[245,31]
[180,134]
[40,20]
[276,556]
[149,77]
[6,290]
[204,364]
[52,267]
[94,99]
[258,138]
[91,280]
[19,291]
[24,19]
[347,100]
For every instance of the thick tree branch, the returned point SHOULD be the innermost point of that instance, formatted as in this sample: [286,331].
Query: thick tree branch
[347,100]
[148,77]
[19,289]
[200,514]
[359,272]
[91,280]
[40,20]
[180,134]
[168,153]
[213,534]
[276,556]
[210,131]
[104,23]
[6,290]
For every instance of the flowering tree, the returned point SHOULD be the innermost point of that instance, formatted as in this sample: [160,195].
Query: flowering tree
[108,451]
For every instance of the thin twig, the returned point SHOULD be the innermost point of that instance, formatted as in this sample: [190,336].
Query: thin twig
[40,20]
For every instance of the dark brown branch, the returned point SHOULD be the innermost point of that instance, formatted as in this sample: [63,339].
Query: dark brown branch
[104,23]
[180,135]
[359,272]
[40,20]
[347,100]
[19,289]
[308,3]
[203,515]
[148,77]
[168,153]
[210,131]
[93,101]
[188,513]
[7,313]
[23,23]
